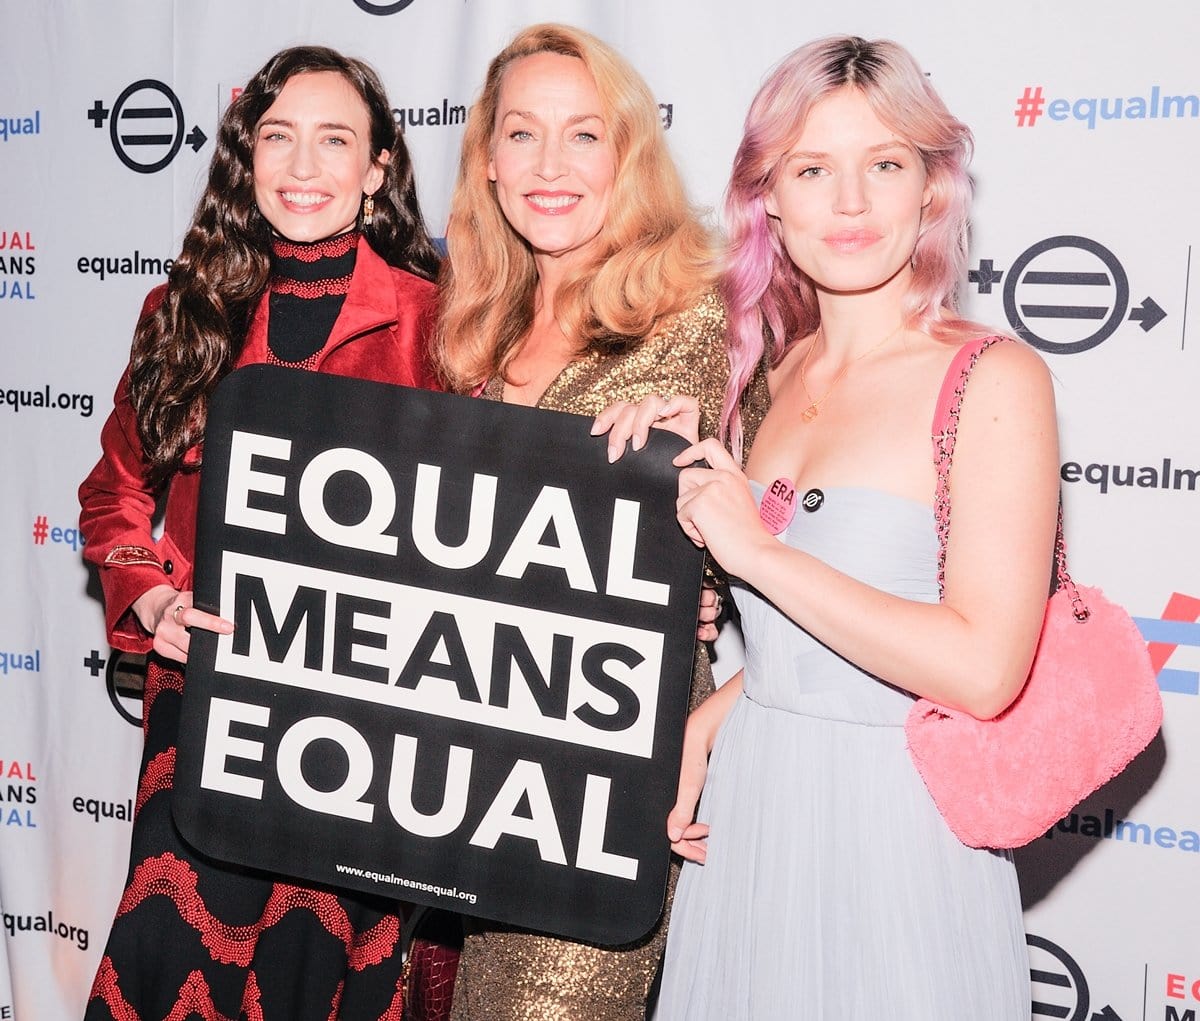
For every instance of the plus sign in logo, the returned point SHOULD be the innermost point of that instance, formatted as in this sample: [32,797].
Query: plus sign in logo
[389,8]
[1177,626]
[1059,987]
[1066,294]
[146,126]
[125,677]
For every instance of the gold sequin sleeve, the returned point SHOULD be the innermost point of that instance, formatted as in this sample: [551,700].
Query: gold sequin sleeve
[510,975]
[685,355]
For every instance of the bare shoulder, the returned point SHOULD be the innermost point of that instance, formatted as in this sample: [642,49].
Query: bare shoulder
[1010,372]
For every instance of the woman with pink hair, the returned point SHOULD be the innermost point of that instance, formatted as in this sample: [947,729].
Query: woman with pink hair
[822,882]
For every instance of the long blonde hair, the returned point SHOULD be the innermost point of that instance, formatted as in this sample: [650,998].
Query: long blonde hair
[653,257]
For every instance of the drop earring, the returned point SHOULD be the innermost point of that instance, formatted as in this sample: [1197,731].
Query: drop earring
[368,210]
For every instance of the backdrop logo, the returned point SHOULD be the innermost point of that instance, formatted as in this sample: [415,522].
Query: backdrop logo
[146,126]
[1164,475]
[13,126]
[44,532]
[1060,989]
[99,808]
[1107,826]
[1181,987]
[137,264]
[429,116]
[17,264]
[20,660]
[14,924]
[1066,294]
[1032,106]
[16,399]
[125,679]
[18,794]
[1177,626]
[395,7]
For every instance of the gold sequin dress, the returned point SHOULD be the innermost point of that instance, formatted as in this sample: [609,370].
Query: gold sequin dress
[506,974]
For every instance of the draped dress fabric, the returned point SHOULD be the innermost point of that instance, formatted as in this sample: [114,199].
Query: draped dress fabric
[833,888]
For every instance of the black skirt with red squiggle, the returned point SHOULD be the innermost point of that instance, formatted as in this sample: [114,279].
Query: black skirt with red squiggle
[197,938]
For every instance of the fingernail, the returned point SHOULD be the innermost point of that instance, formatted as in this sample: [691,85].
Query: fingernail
[675,833]
[637,443]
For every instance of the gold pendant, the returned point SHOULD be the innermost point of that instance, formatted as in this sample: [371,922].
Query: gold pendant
[809,413]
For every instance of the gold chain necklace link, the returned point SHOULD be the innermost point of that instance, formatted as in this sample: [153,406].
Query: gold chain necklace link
[811,412]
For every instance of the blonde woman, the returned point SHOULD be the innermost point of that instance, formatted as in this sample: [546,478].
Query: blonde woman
[578,277]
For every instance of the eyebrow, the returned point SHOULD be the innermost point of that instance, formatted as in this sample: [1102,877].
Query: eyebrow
[530,116]
[325,126]
[881,147]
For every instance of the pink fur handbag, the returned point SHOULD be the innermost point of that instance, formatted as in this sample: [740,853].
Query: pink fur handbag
[1090,705]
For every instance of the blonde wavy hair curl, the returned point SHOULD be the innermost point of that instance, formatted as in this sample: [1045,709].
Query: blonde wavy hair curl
[652,258]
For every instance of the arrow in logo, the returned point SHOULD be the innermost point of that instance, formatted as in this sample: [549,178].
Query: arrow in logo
[196,138]
[1148,315]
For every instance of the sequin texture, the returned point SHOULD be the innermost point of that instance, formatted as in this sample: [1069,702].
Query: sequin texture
[510,975]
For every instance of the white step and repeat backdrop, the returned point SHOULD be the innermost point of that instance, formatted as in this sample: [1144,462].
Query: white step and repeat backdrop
[1088,126]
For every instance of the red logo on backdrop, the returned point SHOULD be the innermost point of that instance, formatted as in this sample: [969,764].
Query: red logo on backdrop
[1179,625]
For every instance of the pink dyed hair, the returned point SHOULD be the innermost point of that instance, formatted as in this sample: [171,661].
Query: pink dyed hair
[762,287]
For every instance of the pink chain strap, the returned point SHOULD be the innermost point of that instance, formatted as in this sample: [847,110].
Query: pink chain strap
[945,435]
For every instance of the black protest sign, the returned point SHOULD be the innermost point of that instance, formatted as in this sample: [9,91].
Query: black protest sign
[462,650]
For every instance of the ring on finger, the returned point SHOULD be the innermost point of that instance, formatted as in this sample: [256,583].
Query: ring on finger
[175,614]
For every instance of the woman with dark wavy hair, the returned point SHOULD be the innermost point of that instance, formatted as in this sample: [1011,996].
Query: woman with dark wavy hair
[307,249]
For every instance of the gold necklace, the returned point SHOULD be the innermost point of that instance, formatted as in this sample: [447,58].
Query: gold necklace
[811,412]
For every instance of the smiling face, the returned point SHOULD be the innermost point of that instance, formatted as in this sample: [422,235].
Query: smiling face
[553,162]
[849,197]
[312,158]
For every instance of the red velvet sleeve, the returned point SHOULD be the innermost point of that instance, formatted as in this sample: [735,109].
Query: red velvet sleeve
[116,509]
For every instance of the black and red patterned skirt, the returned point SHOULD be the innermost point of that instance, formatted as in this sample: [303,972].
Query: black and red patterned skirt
[198,938]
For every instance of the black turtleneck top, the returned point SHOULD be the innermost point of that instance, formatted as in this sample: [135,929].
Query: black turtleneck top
[309,281]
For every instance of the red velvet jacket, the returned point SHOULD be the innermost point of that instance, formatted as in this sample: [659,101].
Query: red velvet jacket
[381,334]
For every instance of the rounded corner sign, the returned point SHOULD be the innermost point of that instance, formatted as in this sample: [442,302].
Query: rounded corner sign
[461,659]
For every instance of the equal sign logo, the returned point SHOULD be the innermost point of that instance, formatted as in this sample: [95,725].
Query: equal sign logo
[1066,294]
[146,126]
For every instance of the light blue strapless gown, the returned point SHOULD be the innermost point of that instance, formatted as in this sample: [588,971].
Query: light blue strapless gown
[833,888]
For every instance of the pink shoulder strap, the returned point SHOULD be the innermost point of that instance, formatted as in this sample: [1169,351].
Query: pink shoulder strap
[945,431]
[960,369]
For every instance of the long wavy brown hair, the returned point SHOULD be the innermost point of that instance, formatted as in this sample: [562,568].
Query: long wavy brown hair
[653,256]
[185,347]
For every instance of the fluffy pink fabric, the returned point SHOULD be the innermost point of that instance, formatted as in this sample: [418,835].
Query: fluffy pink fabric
[1090,705]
